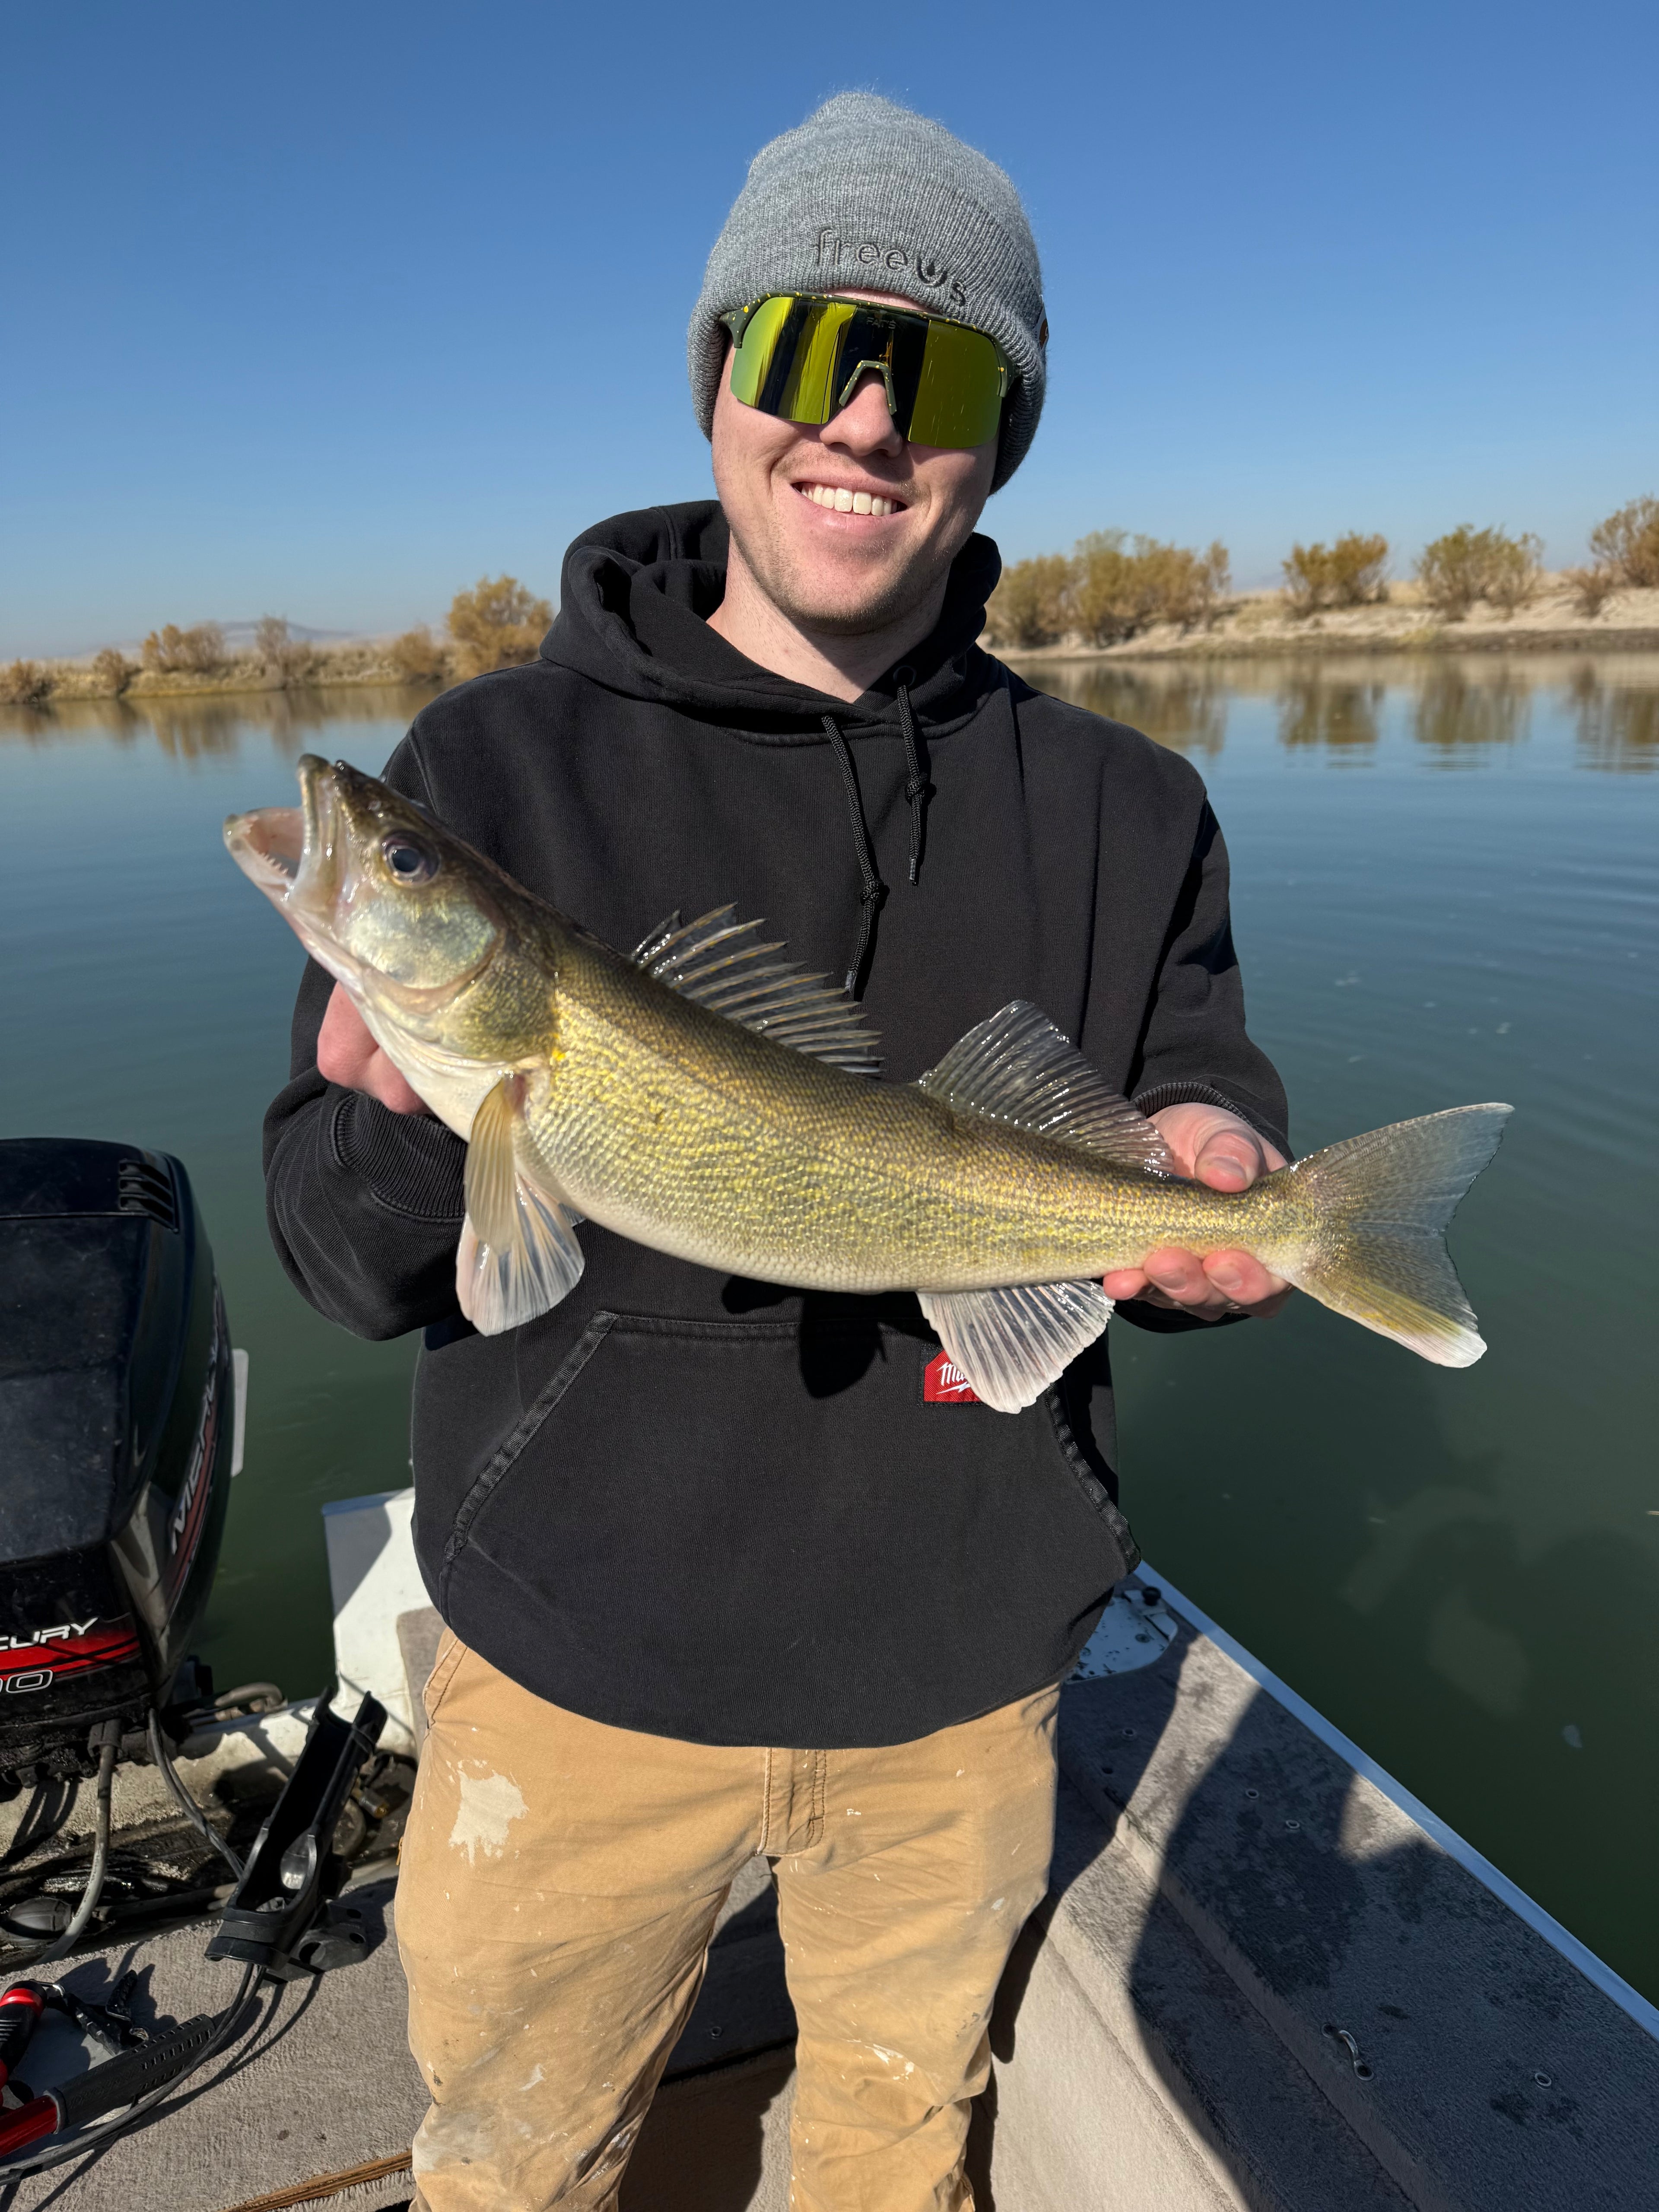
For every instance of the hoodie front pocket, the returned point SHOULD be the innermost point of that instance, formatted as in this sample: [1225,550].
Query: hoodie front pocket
[754,1532]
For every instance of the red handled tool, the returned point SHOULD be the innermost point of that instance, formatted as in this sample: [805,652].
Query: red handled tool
[104,2088]
[20,2008]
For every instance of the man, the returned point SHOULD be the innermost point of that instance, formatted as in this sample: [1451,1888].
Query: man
[726,1573]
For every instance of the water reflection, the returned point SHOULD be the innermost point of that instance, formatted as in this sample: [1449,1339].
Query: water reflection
[1457,713]
[1181,706]
[1618,723]
[1337,717]
[202,728]
[1460,710]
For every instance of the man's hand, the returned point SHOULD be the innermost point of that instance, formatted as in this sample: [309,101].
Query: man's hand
[1214,1147]
[348,1055]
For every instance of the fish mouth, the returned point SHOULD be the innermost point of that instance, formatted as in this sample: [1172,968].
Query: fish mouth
[282,848]
[268,845]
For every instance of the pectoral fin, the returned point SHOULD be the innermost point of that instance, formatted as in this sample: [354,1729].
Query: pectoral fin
[1012,1344]
[518,1254]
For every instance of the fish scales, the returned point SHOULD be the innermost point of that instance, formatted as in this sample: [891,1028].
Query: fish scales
[660,1118]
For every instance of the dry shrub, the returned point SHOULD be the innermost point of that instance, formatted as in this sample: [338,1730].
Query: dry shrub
[1628,543]
[171,651]
[1104,600]
[289,657]
[113,671]
[1348,574]
[418,657]
[1512,571]
[499,623]
[25,683]
[1104,593]
[1179,585]
[1592,588]
[1469,564]
[1113,593]
[1030,606]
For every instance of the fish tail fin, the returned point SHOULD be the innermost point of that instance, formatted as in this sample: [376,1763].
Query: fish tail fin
[1381,1205]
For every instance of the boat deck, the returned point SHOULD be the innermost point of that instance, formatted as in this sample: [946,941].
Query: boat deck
[1261,1979]
[322,2083]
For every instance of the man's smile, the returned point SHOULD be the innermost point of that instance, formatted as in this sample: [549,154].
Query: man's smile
[844,499]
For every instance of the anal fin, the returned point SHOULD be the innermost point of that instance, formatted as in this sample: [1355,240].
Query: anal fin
[1011,1344]
[518,1256]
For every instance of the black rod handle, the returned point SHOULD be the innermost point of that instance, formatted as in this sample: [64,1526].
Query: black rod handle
[134,2073]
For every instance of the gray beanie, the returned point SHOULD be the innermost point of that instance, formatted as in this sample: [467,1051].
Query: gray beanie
[865,195]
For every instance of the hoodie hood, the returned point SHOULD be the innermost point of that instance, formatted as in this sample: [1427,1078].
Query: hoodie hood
[635,602]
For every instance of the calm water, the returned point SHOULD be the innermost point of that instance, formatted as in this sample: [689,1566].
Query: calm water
[1447,889]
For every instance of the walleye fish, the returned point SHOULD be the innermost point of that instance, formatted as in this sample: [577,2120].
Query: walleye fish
[707,1098]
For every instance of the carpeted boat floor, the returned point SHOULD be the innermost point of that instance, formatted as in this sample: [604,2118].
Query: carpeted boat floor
[326,2085]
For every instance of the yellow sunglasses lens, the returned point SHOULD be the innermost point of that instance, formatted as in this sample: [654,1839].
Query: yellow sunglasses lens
[799,355]
[958,399]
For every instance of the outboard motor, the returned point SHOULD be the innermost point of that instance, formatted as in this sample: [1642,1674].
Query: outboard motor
[118,1409]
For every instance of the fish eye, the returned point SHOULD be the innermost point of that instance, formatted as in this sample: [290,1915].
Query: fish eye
[410,862]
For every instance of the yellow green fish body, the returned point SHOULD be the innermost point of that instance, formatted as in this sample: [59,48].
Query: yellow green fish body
[681,1129]
[706,1100]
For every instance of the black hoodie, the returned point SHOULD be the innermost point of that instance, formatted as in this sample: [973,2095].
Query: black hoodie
[717,1509]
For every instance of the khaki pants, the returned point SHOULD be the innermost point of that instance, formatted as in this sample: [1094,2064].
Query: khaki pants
[560,1881]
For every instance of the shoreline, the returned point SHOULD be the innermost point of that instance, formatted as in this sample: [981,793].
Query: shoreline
[1424,640]
[77,682]
[1261,626]
[1257,628]
[1215,644]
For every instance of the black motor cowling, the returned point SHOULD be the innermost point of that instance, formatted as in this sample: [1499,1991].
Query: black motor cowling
[116,1414]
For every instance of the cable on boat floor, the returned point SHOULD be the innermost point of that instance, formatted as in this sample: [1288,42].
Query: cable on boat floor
[313,2092]
[327,2083]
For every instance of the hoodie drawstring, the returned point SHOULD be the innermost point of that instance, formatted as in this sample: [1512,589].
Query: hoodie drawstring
[915,783]
[916,797]
[874,891]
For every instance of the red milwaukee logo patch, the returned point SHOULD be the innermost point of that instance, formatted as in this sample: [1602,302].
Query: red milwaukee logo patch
[944,1383]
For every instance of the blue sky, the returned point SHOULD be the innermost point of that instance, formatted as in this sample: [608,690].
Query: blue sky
[325,312]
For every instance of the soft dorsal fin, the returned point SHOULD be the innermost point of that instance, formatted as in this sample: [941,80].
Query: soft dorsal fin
[709,960]
[1017,1067]
[1012,1344]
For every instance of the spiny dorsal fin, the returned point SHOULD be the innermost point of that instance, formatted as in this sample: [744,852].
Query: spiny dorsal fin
[1017,1067]
[708,961]
[1012,1344]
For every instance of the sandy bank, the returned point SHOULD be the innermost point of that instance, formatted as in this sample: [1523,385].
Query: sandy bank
[1261,623]
[305,669]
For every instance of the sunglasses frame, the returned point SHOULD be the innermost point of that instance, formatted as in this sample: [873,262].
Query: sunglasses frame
[737,320]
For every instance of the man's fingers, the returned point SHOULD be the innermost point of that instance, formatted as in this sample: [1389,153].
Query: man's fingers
[1230,1159]
[1243,1280]
[345,1047]
[383,1082]
[1179,1275]
[1169,1278]
[348,1055]
[1221,1282]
